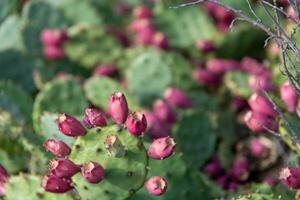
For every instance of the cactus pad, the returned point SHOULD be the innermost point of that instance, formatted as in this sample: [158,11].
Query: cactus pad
[191,24]
[59,96]
[195,136]
[17,67]
[123,176]
[98,90]
[38,15]
[91,45]
[16,101]
[148,77]
[237,83]
[28,187]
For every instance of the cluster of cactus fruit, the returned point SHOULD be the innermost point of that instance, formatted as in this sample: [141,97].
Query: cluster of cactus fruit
[63,169]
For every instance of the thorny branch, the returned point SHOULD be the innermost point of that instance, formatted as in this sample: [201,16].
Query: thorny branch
[277,34]
[285,42]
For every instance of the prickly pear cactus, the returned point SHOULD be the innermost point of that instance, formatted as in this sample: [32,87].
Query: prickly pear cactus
[157,70]
[9,35]
[288,127]
[195,136]
[250,42]
[187,28]
[59,96]
[181,184]
[16,101]
[265,192]
[123,176]
[17,67]
[50,129]
[28,187]
[38,15]
[90,45]
[12,154]
[237,83]
[80,12]
[149,69]
[97,89]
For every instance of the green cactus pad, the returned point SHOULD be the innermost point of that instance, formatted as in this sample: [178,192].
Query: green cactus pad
[9,35]
[191,24]
[98,90]
[148,77]
[90,45]
[286,132]
[180,183]
[195,136]
[16,101]
[123,176]
[12,154]
[237,83]
[50,129]
[18,68]
[28,187]
[39,15]
[265,192]
[79,12]
[59,96]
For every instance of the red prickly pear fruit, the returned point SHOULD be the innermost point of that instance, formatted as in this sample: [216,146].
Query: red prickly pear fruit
[161,148]
[53,37]
[136,123]
[3,179]
[292,14]
[139,25]
[63,168]
[257,148]
[269,180]
[222,181]
[156,127]
[259,103]
[70,126]
[141,12]
[53,52]
[223,15]
[259,122]
[289,96]
[232,186]
[252,66]
[261,83]
[93,117]
[2,189]
[145,37]
[205,77]
[164,111]
[220,66]
[177,98]
[92,172]
[238,104]
[160,41]
[56,184]
[290,176]
[206,46]
[57,148]
[156,186]
[213,168]
[240,170]
[105,70]
[118,108]
[3,174]
[86,122]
